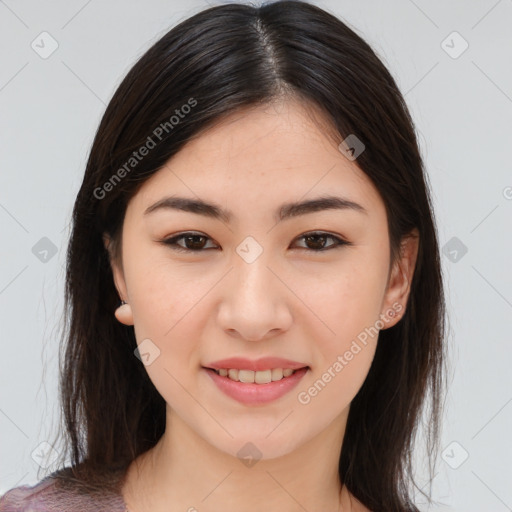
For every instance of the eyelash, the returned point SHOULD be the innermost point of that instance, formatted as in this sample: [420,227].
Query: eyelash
[172,242]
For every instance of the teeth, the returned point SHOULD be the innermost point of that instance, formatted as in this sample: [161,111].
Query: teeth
[261,377]
[277,373]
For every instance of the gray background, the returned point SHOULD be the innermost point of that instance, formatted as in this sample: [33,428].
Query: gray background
[461,102]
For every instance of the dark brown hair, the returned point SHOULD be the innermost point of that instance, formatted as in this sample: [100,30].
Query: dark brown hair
[218,61]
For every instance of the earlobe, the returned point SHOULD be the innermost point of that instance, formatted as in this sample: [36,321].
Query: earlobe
[124,314]
[399,286]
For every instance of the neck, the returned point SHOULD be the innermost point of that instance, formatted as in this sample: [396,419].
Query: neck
[185,472]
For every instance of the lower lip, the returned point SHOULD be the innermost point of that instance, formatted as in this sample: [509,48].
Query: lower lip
[247,393]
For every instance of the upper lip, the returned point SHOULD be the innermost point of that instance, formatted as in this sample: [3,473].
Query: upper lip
[265,363]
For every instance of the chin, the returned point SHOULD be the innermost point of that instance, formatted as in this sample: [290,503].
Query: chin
[258,444]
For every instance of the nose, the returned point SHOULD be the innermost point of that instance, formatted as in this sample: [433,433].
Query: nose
[255,302]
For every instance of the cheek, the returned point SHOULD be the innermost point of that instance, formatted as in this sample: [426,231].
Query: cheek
[170,319]
[332,390]
[165,294]
[167,309]
[342,360]
[345,301]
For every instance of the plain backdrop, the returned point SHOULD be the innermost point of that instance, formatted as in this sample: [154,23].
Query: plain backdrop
[60,63]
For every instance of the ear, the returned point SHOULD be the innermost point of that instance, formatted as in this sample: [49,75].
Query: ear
[123,313]
[117,270]
[400,279]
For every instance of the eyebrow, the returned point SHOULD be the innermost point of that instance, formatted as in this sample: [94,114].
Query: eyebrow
[286,211]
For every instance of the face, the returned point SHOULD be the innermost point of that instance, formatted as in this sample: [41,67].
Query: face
[312,286]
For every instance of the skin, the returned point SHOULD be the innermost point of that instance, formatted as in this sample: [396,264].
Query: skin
[308,306]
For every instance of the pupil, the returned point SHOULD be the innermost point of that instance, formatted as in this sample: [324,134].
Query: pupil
[316,237]
[194,237]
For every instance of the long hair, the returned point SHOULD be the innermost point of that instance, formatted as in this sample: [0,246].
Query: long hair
[218,61]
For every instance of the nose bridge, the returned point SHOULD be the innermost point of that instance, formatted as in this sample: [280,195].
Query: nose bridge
[254,302]
[252,275]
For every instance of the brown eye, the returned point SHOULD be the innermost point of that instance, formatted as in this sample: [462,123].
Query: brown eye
[193,242]
[316,241]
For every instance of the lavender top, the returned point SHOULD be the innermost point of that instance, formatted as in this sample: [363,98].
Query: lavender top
[48,496]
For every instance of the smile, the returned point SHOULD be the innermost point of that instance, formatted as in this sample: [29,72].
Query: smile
[241,385]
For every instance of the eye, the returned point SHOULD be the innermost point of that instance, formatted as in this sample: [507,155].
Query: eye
[195,242]
[318,238]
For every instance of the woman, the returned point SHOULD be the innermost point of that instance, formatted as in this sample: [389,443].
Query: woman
[256,199]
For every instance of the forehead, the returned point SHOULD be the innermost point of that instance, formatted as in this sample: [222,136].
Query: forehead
[260,156]
[274,134]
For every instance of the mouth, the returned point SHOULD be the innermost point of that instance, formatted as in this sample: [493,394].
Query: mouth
[253,388]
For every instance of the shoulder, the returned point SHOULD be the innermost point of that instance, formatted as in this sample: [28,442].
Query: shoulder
[26,497]
[49,496]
